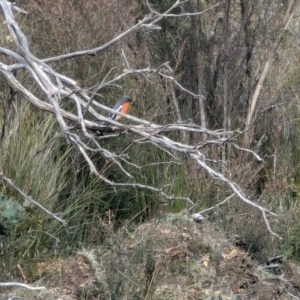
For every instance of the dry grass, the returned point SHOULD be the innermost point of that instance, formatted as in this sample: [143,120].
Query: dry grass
[168,258]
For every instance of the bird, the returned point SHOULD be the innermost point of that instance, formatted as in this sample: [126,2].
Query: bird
[121,106]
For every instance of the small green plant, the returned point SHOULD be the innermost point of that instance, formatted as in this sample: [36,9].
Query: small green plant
[11,211]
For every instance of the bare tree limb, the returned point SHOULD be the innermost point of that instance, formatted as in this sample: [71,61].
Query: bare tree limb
[219,204]
[29,199]
[52,85]
[177,3]
[22,285]
[247,150]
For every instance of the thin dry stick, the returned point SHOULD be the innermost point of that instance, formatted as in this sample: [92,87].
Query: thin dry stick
[28,198]
[22,272]
[215,206]
[22,285]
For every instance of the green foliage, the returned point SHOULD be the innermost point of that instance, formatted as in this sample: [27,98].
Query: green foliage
[292,248]
[11,214]
[11,211]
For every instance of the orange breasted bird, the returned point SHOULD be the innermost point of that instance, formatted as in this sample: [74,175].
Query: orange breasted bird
[121,106]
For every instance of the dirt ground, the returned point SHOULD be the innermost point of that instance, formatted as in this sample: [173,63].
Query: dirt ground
[173,258]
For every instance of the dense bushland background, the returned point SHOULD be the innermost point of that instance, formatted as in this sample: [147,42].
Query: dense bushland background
[220,54]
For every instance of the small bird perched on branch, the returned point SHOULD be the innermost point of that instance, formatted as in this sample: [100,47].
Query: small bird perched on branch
[121,106]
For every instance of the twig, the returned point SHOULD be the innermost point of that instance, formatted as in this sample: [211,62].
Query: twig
[28,198]
[184,14]
[22,285]
[22,272]
[247,150]
[215,206]
[275,106]
[236,189]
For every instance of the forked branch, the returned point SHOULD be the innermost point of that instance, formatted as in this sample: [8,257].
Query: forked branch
[56,86]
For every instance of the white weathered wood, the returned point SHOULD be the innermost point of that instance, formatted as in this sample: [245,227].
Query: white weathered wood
[56,87]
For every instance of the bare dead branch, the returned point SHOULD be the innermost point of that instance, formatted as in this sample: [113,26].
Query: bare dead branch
[275,106]
[247,150]
[215,206]
[236,189]
[148,21]
[177,3]
[52,84]
[22,285]
[29,199]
